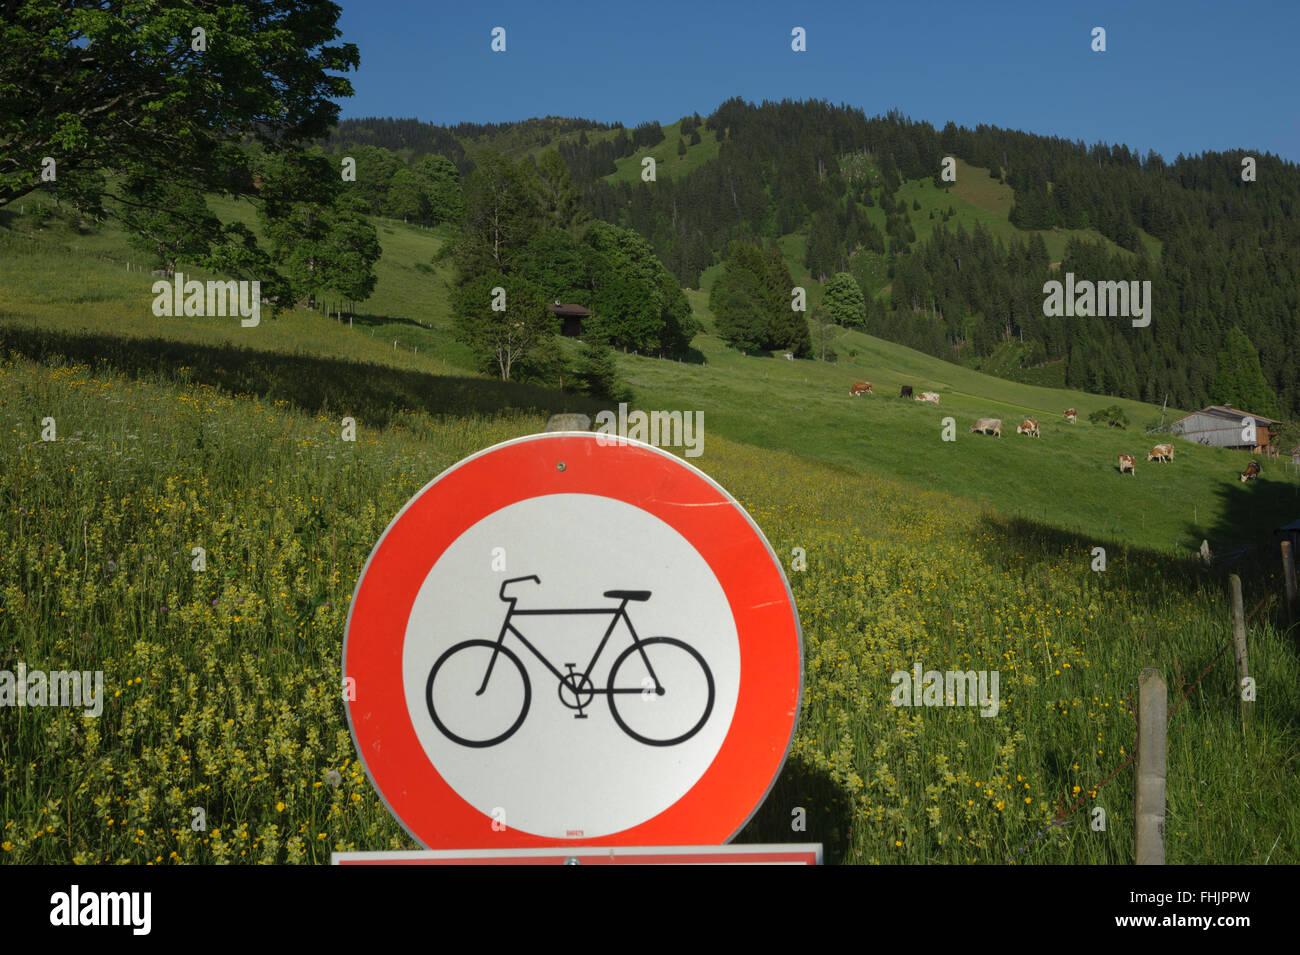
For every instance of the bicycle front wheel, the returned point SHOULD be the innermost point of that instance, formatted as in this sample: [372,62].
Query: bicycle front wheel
[472,707]
[660,691]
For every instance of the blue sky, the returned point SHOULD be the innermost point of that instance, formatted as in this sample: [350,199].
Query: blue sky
[1176,77]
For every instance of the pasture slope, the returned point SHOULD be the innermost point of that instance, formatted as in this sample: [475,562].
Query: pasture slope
[222,686]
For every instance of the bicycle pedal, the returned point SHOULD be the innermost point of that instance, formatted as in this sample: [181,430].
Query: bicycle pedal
[580,716]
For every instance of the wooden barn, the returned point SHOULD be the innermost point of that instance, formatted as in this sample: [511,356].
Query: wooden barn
[571,318]
[1220,426]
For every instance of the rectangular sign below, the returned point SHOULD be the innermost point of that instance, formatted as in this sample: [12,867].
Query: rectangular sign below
[795,853]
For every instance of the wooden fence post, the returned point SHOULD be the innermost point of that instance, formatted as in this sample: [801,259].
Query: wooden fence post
[1288,579]
[1239,643]
[1149,793]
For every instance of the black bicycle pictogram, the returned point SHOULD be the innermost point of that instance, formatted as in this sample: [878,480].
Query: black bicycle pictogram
[686,677]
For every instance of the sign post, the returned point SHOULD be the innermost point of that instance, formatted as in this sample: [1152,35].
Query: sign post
[569,645]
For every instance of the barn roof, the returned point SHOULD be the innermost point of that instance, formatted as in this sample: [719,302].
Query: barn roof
[1230,414]
[570,311]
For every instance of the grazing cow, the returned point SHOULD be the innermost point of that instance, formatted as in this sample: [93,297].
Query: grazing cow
[905,392]
[1251,472]
[929,396]
[1071,415]
[860,388]
[1030,427]
[1127,463]
[991,426]
[1162,452]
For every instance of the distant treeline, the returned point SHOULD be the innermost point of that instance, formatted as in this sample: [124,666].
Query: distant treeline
[413,138]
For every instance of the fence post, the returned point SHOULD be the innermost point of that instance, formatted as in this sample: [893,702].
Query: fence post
[1288,579]
[1239,643]
[1149,793]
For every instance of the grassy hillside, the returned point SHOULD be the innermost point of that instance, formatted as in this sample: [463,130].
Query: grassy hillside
[221,685]
[975,197]
[1067,479]
[668,164]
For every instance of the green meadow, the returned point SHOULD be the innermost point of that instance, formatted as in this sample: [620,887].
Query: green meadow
[222,684]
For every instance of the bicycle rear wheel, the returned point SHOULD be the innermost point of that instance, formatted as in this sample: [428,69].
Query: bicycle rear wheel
[660,691]
[460,711]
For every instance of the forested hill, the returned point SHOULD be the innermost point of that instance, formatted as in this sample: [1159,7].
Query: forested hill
[1230,257]
[865,196]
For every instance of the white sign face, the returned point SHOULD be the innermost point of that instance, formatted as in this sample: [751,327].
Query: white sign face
[549,729]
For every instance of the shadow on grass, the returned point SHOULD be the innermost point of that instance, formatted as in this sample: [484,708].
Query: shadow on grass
[1249,513]
[827,807]
[367,320]
[371,393]
[1152,576]
[1012,542]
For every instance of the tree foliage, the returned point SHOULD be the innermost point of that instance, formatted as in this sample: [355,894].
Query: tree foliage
[121,86]
[500,215]
[596,373]
[845,302]
[318,232]
[501,339]
[524,220]
[751,302]
[1112,415]
[1239,380]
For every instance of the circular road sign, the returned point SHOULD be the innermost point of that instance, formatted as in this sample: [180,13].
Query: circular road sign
[572,638]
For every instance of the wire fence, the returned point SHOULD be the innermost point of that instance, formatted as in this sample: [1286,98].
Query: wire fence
[1064,815]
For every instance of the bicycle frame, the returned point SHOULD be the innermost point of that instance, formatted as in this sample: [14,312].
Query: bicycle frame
[618,613]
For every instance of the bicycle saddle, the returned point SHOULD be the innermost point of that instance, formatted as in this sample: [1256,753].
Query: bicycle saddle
[628,594]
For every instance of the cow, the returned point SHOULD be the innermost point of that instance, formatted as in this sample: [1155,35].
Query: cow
[1030,427]
[991,426]
[1162,452]
[860,388]
[1071,415]
[1127,463]
[1251,472]
[929,396]
[905,392]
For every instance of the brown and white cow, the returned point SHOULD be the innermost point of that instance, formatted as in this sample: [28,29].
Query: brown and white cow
[1127,463]
[1251,472]
[1030,427]
[905,391]
[1071,415]
[929,396]
[991,426]
[860,388]
[1162,452]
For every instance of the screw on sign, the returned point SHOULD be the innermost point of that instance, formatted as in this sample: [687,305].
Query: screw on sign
[589,642]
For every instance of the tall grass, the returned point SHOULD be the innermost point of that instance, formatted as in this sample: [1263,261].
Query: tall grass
[222,685]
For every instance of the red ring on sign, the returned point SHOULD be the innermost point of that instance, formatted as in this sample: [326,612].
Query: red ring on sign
[771,659]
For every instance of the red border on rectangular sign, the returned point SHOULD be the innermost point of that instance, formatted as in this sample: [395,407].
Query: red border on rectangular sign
[795,853]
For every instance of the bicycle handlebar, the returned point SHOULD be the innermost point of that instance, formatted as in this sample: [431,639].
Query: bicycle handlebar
[515,580]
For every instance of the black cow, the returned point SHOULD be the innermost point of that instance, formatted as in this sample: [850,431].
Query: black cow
[906,392]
